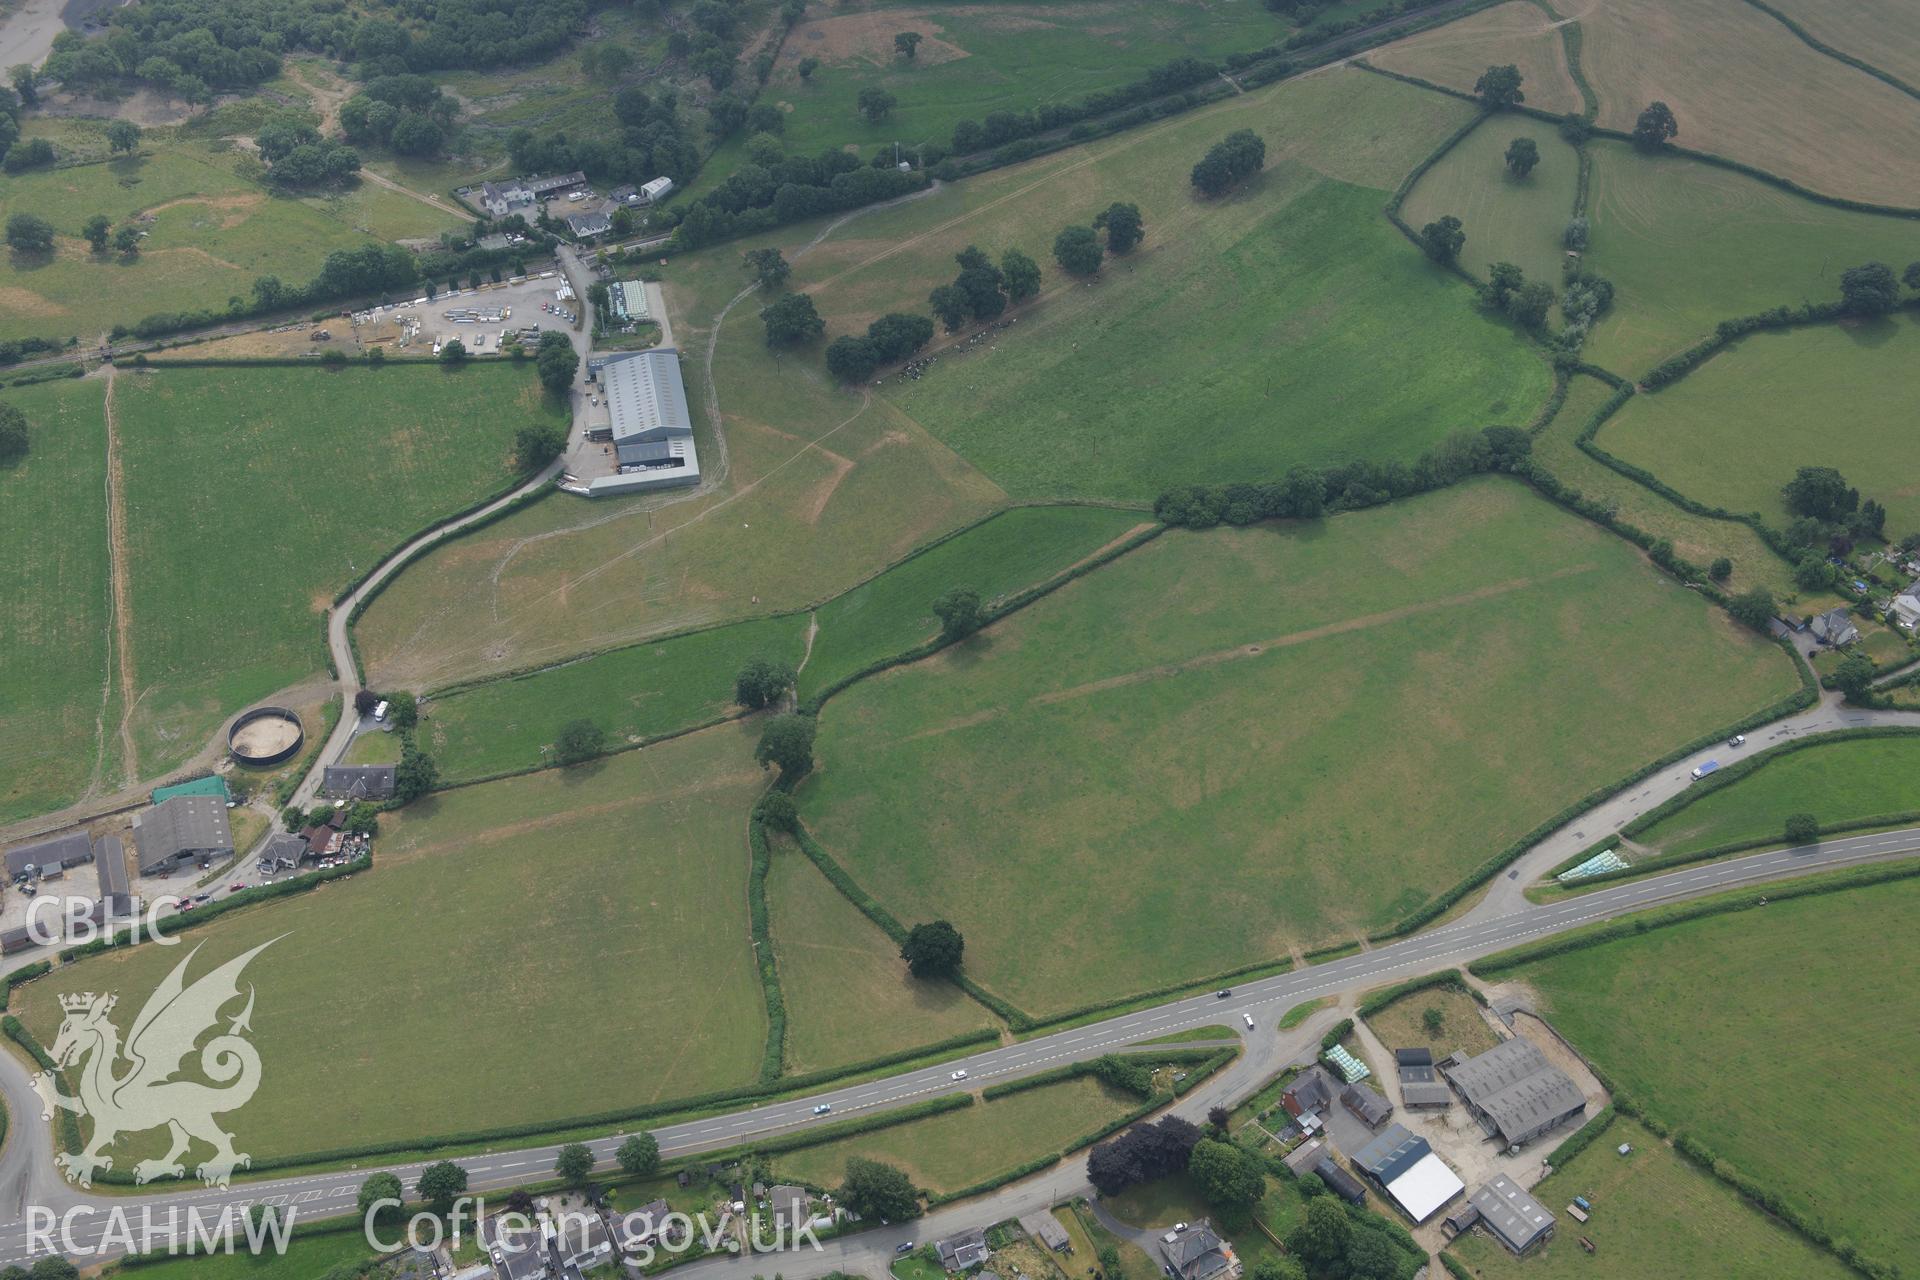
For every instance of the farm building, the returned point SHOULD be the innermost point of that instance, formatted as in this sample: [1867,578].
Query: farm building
[625,194]
[211,785]
[1339,1181]
[657,190]
[1419,1087]
[1515,1218]
[183,829]
[1409,1172]
[652,429]
[1046,1231]
[557,184]
[1367,1105]
[57,854]
[957,1253]
[1515,1093]
[1197,1253]
[358,781]
[110,865]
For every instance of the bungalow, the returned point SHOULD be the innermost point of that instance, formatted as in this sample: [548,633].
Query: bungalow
[1905,609]
[1834,628]
[588,225]
[957,1253]
[358,781]
[516,1254]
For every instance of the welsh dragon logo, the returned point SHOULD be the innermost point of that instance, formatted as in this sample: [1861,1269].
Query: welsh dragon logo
[146,1095]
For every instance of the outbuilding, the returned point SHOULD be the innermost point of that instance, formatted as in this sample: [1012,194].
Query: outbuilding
[1515,1218]
[1514,1092]
[182,829]
[1406,1168]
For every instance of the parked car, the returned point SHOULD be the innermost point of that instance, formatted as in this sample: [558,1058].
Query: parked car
[905,1246]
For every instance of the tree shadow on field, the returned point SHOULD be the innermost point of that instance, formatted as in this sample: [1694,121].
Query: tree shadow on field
[965,655]
[1878,331]
[1293,530]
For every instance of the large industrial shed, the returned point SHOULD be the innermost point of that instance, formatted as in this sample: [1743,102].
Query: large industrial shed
[1514,1092]
[652,429]
[1406,1168]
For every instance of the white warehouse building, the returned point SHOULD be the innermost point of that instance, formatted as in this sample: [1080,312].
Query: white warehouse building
[652,431]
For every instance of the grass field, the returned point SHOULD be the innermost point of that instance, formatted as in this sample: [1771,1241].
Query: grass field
[849,996]
[55,605]
[1653,1012]
[1508,219]
[608,900]
[1402,1024]
[254,495]
[822,486]
[630,693]
[307,1256]
[1456,54]
[374,748]
[1735,429]
[1688,245]
[894,611]
[1268,726]
[956,1149]
[1743,86]
[213,232]
[1879,32]
[1834,781]
[976,59]
[1650,1204]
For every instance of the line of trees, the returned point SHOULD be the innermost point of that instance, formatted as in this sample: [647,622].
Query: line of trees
[1001,127]
[1229,162]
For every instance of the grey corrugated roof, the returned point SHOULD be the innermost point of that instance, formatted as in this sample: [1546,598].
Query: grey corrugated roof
[1304,1157]
[1396,1150]
[959,1252]
[645,396]
[110,864]
[1342,1183]
[1516,1088]
[1045,1228]
[1426,1094]
[1513,1216]
[69,850]
[182,825]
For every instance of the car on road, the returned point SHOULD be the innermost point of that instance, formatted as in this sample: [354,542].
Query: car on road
[1701,771]
[958,1075]
[1249,1020]
[905,1246]
[235,887]
[823,1108]
[1223,993]
[1737,740]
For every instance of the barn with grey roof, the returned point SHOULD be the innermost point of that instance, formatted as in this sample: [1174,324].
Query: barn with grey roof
[181,830]
[1513,1217]
[1515,1093]
[652,430]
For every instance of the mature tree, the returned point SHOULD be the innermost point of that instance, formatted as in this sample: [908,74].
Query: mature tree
[639,1155]
[791,320]
[454,353]
[35,153]
[907,43]
[778,811]
[1443,239]
[1230,1179]
[123,136]
[1213,175]
[1433,1019]
[933,950]
[1721,569]
[1281,1268]
[1022,275]
[1123,224]
[899,334]
[1529,304]
[1110,1262]
[365,701]
[1854,676]
[1655,127]
[127,241]
[787,741]
[573,1163]
[1869,290]
[1077,250]
[414,776]
[1522,155]
[768,267]
[95,232]
[1503,279]
[28,233]
[1820,492]
[578,740]
[1802,828]
[852,358]
[1813,573]
[1321,1241]
[557,361]
[1576,234]
[51,1268]
[440,1183]
[26,82]
[762,682]
[1126,1073]
[879,1192]
[536,445]
[950,305]
[806,67]
[1218,1118]
[1239,155]
[875,104]
[960,612]
[381,1186]
[1370,1257]
[1499,87]
[1142,1154]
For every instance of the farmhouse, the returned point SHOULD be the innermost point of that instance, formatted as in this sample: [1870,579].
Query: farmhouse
[1515,1218]
[183,829]
[1046,1230]
[652,431]
[499,199]
[1408,1171]
[791,1206]
[1514,1092]
[59,853]
[957,1253]
[1310,1094]
[358,781]
[1834,628]
[1197,1253]
[588,225]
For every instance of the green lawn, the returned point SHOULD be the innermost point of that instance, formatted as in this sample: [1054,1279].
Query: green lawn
[1309,730]
[374,747]
[1735,429]
[255,494]
[958,1148]
[1507,219]
[606,904]
[631,693]
[1653,1011]
[849,995]
[894,611]
[55,603]
[307,1257]
[1688,245]
[1834,781]
[1650,1204]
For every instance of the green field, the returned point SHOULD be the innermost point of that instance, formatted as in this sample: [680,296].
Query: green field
[630,693]
[894,612]
[1650,1204]
[1653,1011]
[55,605]
[1402,1025]
[1834,781]
[849,995]
[254,495]
[1734,430]
[213,231]
[956,1149]
[307,1257]
[608,900]
[1688,245]
[1507,219]
[1306,730]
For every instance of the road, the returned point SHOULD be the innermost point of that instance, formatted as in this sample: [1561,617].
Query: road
[27,1176]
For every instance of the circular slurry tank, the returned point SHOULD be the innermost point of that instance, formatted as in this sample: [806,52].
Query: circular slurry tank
[265,735]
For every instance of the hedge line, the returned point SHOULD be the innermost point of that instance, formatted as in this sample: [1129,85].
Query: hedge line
[66,1123]
[1399,197]
[1454,1268]
[618,748]
[1582,1138]
[1336,1035]
[25,973]
[140,362]
[774,1058]
[1173,988]
[1452,979]
[1837,55]
[1646,922]
[1074,1070]
[832,1133]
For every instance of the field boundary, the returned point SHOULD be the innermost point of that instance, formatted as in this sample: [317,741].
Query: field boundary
[1820,46]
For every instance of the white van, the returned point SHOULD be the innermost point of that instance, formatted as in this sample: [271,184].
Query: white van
[1249,1020]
